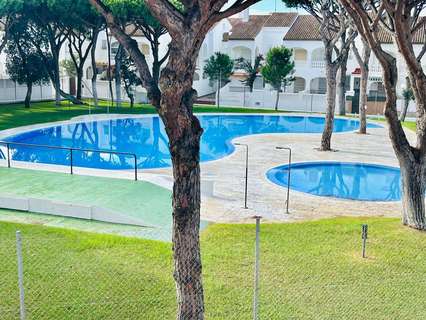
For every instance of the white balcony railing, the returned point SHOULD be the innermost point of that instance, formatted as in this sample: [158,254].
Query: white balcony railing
[318,64]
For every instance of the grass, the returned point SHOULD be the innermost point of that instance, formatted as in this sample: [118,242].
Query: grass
[309,270]
[16,115]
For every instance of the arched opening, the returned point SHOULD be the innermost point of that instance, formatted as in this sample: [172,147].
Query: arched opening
[114,47]
[318,85]
[300,55]
[145,49]
[241,52]
[299,84]
[318,58]
[377,90]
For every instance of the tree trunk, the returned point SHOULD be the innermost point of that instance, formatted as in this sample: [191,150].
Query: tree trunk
[117,75]
[277,99]
[57,86]
[331,72]
[404,110]
[132,100]
[363,101]
[79,82]
[413,194]
[341,89]
[28,95]
[94,67]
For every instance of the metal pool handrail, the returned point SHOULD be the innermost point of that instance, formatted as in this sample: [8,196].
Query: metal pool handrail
[70,149]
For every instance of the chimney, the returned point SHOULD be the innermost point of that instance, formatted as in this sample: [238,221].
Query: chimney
[244,15]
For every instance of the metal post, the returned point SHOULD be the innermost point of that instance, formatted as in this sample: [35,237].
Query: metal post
[256,270]
[246,177]
[8,154]
[364,239]
[136,167]
[71,162]
[20,275]
[288,176]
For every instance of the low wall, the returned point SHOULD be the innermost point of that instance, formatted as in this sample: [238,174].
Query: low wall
[68,210]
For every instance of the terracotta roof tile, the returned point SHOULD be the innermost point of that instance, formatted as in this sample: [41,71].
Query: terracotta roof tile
[306,27]
[280,19]
[248,30]
[419,36]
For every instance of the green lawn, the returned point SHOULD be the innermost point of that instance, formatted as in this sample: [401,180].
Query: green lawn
[309,270]
[15,115]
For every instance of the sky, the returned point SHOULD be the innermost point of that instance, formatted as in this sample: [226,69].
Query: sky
[269,6]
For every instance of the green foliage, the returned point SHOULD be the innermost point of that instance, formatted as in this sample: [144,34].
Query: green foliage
[219,65]
[279,67]
[251,70]
[408,94]
[68,67]
[129,76]
[24,62]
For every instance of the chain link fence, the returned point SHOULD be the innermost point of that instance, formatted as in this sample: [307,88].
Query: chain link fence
[256,277]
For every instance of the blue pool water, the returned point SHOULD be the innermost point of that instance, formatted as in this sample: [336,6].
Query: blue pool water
[146,138]
[355,181]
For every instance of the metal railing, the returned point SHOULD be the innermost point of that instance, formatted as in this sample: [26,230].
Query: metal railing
[71,150]
[288,175]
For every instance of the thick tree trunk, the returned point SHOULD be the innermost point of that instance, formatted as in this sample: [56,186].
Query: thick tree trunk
[186,222]
[277,100]
[184,143]
[341,87]
[413,194]
[331,72]
[132,100]
[28,95]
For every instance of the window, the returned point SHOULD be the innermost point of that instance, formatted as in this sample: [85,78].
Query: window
[145,49]
[104,45]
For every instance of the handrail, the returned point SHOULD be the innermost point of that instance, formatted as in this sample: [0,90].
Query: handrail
[70,149]
[288,174]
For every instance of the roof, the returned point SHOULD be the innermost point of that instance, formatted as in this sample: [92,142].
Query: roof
[248,30]
[419,36]
[306,27]
[280,19]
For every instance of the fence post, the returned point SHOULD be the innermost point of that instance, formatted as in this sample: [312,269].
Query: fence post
[256,270]
[136,167]
[364,239]
[8,155]
[20,275]
[71,162]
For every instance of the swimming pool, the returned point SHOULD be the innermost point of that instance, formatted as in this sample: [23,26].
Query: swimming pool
[356,181]
[145,136]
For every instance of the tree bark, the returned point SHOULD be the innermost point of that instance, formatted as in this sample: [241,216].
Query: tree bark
[363,101]
[363,62]
[117,75]
[331,71]
[95,34]
[413,194]
[28,95]
[79,83]
[277,100]
[341,87]
[404,110]
[184,132]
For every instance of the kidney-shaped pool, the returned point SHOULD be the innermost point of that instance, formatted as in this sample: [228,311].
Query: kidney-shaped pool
[356,181]
[146,137]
